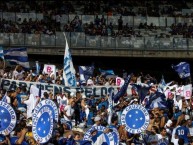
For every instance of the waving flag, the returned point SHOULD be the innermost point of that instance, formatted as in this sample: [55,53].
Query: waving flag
[85,72]
[68,71]
[142,91]
[183,69]
[157,100]
[161,85]
[122,90]
[17,56]
[99,139]
[1,53]
[110,106]
[107,73]
[37,67]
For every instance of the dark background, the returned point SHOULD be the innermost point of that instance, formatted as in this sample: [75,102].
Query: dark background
[153,66]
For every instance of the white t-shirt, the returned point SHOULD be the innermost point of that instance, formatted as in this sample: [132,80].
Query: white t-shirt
[69,112]
[174,140]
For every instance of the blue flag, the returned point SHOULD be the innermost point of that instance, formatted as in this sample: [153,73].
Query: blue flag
[122,90]
[17,56]
[157,100]
[142,91]
[37,68]
[183,69]
[85,72]
[1,53]
[161,85]
[106,72]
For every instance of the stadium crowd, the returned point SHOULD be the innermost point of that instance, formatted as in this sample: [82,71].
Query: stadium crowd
[173,123]
[51,20]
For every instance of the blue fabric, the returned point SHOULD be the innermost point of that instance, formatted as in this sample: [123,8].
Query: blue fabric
[105,103]
[122,90]
[14,139]
[183,69]
[176,115]
[19,99]
[182,132]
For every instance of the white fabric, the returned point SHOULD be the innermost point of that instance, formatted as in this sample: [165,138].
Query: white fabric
[31,102]
[69,112]
[175,141]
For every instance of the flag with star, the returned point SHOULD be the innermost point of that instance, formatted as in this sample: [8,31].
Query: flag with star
[43,123]
[7,118]
[135,118]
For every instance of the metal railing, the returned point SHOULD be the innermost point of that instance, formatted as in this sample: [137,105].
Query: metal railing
[162,21]
[80,40]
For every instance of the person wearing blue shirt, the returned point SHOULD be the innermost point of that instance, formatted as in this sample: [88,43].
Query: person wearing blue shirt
[103,102]
[183,132]
[21,95]
[19,137]
[177,113]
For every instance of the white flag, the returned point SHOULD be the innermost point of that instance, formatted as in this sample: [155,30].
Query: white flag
[68,71]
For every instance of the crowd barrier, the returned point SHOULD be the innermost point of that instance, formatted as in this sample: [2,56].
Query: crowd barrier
[80,40]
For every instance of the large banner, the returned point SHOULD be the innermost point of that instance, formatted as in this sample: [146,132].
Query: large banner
[97,91]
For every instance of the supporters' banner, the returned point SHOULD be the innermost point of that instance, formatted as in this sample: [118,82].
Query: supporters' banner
[100,137]
[97,91]
[68,71]
[119,81]
[183,69]
[8,118]
[135,118]
[188,91]
[42,127]
[17,56]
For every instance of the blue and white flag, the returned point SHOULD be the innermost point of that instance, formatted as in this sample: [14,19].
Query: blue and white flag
[85,72]
[107,73]
[17,56]
[52,106]
[162,85]
[37,68]
[110,106]
[122,90]
[4,99]
[42,126]
[183,69]
[7,118]
[100,138]
[68,71]
[1,52]
[156,100]
[142,91]
[135,118]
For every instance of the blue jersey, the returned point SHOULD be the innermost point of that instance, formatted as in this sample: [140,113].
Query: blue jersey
[182,132]
[20,97]
[105,103]
[14,139]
